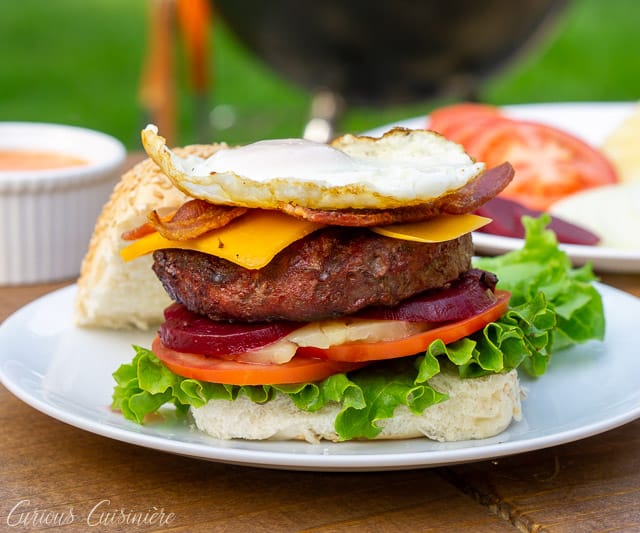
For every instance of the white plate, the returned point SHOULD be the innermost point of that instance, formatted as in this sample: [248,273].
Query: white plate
[590,121]
[65,372]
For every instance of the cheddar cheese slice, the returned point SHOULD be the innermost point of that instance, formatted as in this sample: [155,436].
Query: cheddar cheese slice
[250,241]
[254,239]
[439,229]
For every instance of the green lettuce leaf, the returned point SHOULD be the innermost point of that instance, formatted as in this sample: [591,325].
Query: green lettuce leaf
[540,267]
[553,306]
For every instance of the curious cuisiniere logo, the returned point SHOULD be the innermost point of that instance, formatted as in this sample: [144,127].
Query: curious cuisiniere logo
[103,514]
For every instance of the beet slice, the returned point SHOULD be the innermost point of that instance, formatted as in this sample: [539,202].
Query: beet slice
[467,296]
[186,331]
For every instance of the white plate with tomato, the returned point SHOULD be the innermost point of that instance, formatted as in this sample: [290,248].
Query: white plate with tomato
[66,372]
[531,135]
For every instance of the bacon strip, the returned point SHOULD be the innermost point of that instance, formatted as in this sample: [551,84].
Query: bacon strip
[192,219]
[145,229]
[464,200]
[138,232]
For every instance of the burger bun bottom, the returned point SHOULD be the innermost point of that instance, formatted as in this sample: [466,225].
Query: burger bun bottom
[477,408]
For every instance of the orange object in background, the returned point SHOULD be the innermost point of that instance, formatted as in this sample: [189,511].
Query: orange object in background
[195,22]
[192,20]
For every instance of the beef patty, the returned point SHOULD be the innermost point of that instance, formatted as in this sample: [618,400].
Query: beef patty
[330,273]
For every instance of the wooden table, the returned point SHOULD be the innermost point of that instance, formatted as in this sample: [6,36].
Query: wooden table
[52,473]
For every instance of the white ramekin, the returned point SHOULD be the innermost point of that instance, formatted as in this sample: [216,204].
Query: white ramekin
[47,216]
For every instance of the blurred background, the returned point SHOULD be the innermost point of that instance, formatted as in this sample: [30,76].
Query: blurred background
[95,64]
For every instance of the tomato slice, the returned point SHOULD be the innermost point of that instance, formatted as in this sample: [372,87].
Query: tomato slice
[549,163]
[214,370]
[362,351]
[458,122]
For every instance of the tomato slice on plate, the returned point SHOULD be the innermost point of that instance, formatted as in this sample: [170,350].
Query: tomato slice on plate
[458,122]
[549,163]
[363,351]
[215,370]
[448,118]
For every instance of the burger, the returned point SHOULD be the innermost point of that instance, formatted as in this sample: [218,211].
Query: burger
[324,291]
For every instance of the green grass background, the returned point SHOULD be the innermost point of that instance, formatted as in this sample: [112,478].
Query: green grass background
[79,62]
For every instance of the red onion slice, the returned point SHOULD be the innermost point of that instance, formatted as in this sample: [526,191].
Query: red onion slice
[506,221]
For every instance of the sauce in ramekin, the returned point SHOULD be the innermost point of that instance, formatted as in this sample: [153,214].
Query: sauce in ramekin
[24,160]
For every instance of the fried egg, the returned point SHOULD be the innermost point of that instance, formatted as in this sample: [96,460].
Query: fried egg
[400,168]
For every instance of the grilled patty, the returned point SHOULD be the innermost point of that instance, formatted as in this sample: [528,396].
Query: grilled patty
[330,273]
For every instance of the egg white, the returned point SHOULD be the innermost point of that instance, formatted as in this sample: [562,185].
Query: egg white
[401,168]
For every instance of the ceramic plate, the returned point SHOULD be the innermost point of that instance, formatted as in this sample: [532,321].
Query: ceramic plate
[65,372]
[589,121]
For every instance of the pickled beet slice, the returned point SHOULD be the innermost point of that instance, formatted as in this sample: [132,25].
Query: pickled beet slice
[467,296]
[506,215]
[185,331]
